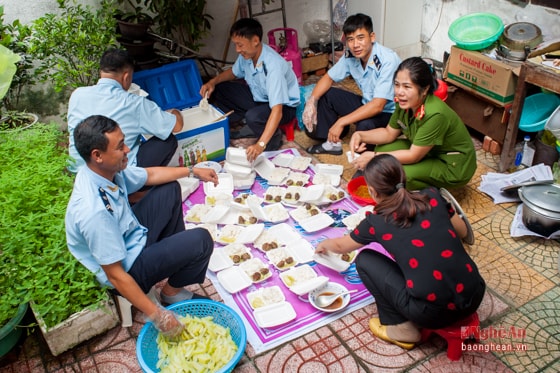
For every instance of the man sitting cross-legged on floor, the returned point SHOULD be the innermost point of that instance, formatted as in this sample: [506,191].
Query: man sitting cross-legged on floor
[330,111]
[128,248]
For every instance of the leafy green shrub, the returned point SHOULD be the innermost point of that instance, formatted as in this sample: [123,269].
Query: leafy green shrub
[35,263]
[68,45]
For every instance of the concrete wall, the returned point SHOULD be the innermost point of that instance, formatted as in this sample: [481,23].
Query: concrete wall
[437,15]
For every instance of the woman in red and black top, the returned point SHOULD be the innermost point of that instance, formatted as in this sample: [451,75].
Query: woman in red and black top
[431,282]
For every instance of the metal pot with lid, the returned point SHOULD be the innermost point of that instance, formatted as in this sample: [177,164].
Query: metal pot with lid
[518,39]
[541,208]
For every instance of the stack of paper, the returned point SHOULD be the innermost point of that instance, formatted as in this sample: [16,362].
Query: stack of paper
[492,183]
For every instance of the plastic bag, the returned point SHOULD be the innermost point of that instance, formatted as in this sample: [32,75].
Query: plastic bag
[317,31]
[8,67]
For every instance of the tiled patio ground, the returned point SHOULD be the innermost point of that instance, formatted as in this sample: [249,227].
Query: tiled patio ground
[523,292]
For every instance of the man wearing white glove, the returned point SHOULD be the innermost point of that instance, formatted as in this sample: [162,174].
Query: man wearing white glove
[130,249]
[329,111]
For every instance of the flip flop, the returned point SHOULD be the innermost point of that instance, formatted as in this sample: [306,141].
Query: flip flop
[318,149]
[469,239]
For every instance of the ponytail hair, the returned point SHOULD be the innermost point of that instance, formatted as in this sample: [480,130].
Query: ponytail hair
[385,174]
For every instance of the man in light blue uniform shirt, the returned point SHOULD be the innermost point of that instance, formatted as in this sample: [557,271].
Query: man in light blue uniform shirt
[136,115]
[130,249]
[266,98]
[330,111]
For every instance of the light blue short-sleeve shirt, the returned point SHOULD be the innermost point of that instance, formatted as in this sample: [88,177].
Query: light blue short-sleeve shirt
[271,80]
[376,80]
[101,232]
[134,114]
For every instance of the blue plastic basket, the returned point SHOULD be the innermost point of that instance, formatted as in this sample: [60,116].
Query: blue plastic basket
[537,109]
[146,346]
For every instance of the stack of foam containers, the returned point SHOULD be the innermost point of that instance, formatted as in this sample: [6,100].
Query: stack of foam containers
[240,168]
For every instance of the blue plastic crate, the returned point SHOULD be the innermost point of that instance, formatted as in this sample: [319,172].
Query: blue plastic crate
[177,85]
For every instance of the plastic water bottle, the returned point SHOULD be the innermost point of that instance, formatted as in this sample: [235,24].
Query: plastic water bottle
[528,152]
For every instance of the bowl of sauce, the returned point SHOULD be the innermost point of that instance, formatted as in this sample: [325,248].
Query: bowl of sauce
[330,288]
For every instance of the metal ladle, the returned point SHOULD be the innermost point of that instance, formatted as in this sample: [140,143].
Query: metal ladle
[323,301]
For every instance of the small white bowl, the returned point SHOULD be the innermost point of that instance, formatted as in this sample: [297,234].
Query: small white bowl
[331,288]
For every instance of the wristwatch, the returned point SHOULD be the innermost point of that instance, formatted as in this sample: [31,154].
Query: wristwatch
[191,172]
[262,144]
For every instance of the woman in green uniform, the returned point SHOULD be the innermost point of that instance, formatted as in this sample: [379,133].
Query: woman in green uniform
[436,149]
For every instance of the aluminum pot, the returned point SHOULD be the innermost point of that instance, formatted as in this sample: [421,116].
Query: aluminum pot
[518,39]
[541,208]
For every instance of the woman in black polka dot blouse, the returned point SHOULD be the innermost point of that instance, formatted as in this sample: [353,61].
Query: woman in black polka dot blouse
[430,281]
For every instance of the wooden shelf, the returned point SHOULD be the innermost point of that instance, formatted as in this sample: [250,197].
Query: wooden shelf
[534,74]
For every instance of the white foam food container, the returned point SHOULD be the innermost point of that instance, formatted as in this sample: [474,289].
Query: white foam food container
[328,168]
[313,193]
[265,296]
[188,186]
[301,250]
[218,199]
[352,221]
[246,182]
[228,234]
[279,258]
[284,233]
[254,266]
[296,178]
[331,195]
[335,261]
[283,160]
[316,223]
[211,228]
[267,170]
[237,156]
[238,253]
[274,213]
[250,233]
[328,179]
[219,260]
[304,211]
[237,170]
[274,194]
[292,195]
[197,213]
[225,185]
[234,279]
[274,315]
[302,279]
[215,214]
[240,200]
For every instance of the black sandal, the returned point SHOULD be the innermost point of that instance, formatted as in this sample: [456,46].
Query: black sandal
[318,149]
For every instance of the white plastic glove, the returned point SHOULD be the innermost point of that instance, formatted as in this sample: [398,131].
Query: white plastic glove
[310,114]
[167,322]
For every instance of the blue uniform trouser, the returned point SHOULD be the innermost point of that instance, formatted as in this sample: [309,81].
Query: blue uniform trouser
[236,95]
[336,103]
[171,251]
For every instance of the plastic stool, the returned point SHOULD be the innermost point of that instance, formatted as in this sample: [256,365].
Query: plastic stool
[289,128]
[453,335]
[125,307]
[125,311]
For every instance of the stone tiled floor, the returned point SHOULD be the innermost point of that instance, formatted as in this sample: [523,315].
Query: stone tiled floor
[523,293]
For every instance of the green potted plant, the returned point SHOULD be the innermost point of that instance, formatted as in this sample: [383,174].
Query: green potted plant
[186,21]
[133,19]
[36,265]
[68,45]
[14,37]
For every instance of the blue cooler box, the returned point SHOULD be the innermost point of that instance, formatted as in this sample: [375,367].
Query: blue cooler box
[177,85]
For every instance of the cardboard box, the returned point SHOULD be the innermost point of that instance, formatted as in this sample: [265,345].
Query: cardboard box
[491,79]
[205,134]
[314,63]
